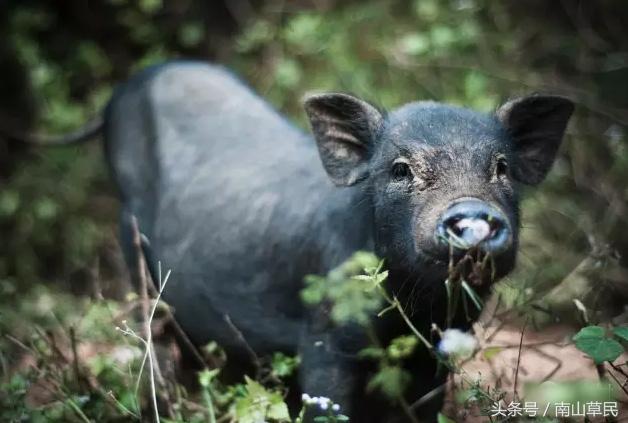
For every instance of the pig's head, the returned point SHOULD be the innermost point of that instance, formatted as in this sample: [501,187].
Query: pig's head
[443,180]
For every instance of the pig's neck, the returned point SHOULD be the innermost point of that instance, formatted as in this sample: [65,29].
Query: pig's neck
[344,225]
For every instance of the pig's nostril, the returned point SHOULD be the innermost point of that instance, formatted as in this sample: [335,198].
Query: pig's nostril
[472,223]
[479,229]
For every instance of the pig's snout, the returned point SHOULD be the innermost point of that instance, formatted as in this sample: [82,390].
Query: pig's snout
[470,223]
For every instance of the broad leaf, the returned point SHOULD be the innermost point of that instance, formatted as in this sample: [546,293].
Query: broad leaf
[621,332]
[592,341]
[391,381]
[590,332]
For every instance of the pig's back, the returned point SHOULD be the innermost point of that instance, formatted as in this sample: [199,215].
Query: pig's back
[176,125]
[225,189]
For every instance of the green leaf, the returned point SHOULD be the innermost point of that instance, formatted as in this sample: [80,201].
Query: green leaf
[402,347]
[364,278]
[590,332]
[380,277]
[260,404]
[621,332]
[206,376]
[254,388]
[278,409]
[592,340]
[284,365]
[477,301]
[314,292]
[391,381]
[353,299]
[372,353]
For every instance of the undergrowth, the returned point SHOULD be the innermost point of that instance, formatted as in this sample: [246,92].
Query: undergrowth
[67,359]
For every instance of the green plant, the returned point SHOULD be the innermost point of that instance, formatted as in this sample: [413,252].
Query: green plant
[364,277]
[601,344]
[353,297]
[259,404]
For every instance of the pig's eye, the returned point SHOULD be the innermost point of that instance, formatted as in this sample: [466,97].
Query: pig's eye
[400,171]
[501,167]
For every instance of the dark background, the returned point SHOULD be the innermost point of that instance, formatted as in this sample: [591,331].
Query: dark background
[59,61]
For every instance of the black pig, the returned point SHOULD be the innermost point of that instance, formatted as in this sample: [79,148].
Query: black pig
[234,200]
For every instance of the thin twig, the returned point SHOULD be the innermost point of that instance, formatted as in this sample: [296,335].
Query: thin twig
[254,357]
[428,397]
[75,358]
[179,330]
[20,343]
[143,285]
[413,328]
[119,405]
[621,385]
[406,408]
[519,358]
[77,410]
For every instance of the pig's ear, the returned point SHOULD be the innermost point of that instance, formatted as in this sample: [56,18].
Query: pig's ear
[345,129]
[536,124]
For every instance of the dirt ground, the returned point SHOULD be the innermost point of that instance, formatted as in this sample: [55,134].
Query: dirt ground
[515,364]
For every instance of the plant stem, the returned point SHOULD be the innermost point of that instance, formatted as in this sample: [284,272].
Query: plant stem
[407,410]
[78,410]
[413,328]
[211,416]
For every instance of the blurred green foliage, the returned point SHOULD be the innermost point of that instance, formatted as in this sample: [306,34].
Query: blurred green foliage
[50,379]
[352,298]
[58,210]
[470,52]
[42,384]
[259,404]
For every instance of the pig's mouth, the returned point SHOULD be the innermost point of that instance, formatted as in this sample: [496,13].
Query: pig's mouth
[474,265]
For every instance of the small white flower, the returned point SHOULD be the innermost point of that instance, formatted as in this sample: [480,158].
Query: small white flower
[457,344]
[323,403]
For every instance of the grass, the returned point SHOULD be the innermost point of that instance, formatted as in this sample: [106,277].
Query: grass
[63,381]
[84,386]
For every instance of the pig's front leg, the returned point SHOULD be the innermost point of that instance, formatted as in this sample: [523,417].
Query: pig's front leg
[330,367]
